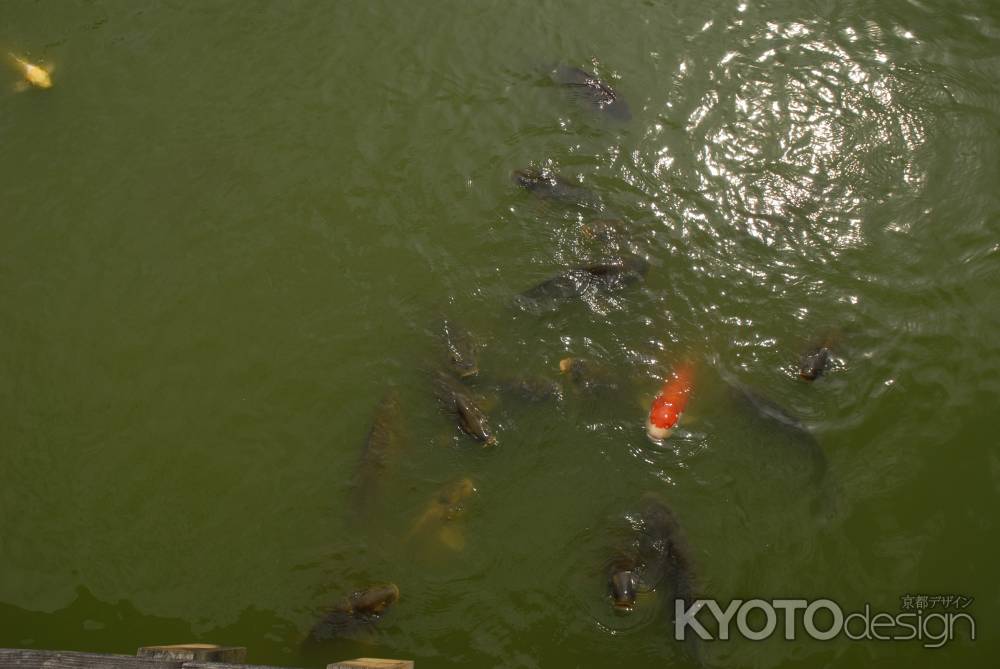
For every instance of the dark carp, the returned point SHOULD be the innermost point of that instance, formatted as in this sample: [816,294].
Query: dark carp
[462,350]
[664,545]
[583,282]
[779,417]
[668,558]
[362,609]
[591,90]
[817,359]
[382,446]
[457,401]
[814,363]
[624,580]
[547,185]
[658,558]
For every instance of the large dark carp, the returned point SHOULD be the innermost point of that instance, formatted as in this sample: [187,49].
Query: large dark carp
[660,559]
[663,546]
[779,417]
[380,449]
[624,579]
[362,609]
[548,185]
[583,282]
[596,93]
[457,401]
[663,543]
[661,556]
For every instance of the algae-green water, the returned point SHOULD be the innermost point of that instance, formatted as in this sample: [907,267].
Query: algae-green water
[230,228]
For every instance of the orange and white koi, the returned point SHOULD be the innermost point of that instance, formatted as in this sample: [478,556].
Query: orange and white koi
[670,403]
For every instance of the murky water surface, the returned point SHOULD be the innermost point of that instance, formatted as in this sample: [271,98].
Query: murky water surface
[231,228]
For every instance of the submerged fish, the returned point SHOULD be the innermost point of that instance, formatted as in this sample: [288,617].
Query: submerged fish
[359,610]
[661,559]
[533,388]
[582,282]
[665,545]
[778,416]
[548,185]
[670,403]
[764,407]
[606,231]
[457,401]
[624,580]
[587,375]
[462,353]
[815,361]
[587,87]
[447,506]
[35,75]
[381,447]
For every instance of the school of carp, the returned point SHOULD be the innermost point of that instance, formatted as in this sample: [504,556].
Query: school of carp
[657,557]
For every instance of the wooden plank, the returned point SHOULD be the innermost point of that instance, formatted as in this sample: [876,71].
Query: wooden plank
[195,652]
[59,659]
[371,663]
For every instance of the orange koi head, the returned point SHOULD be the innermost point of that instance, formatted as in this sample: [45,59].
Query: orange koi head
[670,403]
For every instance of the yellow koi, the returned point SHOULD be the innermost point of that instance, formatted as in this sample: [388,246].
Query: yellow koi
[35,75]
[443,510]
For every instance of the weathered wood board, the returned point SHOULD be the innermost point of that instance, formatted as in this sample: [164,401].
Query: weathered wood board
[58,659]
[195,652]
[371,663]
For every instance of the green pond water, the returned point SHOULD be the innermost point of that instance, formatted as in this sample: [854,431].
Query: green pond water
[231,227]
